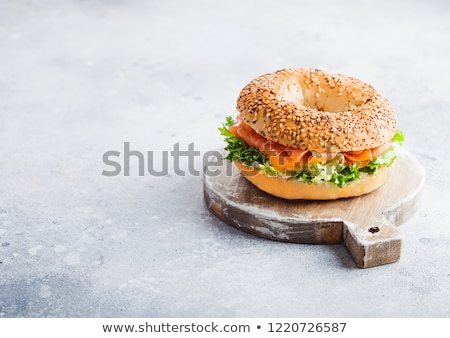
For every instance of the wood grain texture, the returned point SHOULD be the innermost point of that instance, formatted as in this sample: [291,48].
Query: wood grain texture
[365,225]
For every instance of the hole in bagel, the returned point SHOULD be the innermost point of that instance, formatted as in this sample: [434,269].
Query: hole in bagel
[343,97]
[321,100]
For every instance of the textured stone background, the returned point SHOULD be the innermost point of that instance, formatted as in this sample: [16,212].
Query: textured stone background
[79,78]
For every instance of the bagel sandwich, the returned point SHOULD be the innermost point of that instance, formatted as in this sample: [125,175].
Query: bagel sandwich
[307,134]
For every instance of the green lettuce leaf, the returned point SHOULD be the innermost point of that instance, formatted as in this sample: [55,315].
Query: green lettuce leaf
[398,138]
[237,149]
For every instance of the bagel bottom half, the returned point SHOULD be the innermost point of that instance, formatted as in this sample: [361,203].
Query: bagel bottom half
[292,190]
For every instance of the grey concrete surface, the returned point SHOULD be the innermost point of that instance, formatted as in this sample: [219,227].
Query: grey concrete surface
[80,78]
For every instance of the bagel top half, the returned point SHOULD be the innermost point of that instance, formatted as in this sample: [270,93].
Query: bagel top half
[314,110]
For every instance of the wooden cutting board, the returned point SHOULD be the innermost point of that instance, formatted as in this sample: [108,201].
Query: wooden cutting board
[365,225]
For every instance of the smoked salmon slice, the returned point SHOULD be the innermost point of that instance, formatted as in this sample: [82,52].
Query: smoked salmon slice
[292,159]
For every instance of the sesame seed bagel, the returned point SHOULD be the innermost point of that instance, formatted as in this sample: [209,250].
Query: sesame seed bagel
[313,110]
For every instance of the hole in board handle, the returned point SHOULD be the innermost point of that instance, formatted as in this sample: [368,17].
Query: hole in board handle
[374,230]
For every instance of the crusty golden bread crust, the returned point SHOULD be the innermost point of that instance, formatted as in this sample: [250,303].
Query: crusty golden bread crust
[313,110]
[292,189]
